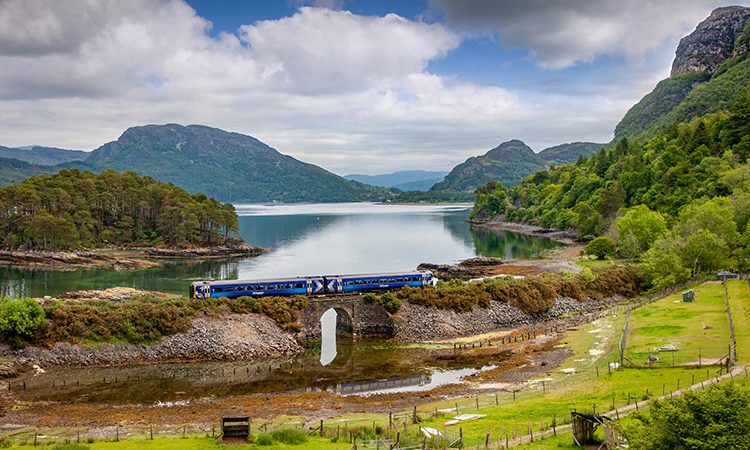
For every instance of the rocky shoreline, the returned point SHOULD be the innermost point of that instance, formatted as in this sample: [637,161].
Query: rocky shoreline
[562,236]
[417,323]
[228,338]
[119,258]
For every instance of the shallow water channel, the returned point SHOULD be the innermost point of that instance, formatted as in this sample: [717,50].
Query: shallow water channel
[336,364]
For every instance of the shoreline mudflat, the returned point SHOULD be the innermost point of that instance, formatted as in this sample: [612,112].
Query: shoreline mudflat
[127,258]
[561,236]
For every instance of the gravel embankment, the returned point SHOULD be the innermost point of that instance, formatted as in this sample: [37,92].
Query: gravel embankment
[420,323]
[219,339]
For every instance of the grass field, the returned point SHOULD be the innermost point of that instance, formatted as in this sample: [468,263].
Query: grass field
[699,330]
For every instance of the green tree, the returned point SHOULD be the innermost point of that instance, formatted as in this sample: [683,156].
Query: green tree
[663,265]
[600,247]
[491,201]
[718,418]
[715,215]
[638,229]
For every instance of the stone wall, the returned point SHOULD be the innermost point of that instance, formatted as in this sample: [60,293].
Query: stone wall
[355,316]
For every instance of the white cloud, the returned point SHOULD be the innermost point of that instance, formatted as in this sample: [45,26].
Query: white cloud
[350,93]
[560,33]
[321,50]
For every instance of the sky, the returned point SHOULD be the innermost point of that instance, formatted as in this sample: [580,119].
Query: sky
[354,86]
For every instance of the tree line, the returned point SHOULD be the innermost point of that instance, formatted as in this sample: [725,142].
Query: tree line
[73,209]
[679,201]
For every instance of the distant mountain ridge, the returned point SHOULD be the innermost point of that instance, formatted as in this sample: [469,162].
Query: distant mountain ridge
[43,156]
[509,163]
[14,170]
[230,167]
[404,180]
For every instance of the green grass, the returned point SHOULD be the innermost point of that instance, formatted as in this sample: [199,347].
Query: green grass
[201,443]
[699,330]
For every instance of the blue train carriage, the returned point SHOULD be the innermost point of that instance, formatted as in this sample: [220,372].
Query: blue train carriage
[377,281]
[257,288]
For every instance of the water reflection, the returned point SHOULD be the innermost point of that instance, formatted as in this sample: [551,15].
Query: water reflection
[508,245]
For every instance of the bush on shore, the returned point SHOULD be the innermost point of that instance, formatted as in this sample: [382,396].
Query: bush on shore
[388,301]
[533,295]
[138,321]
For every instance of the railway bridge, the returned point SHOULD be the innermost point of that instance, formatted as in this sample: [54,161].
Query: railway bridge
[354,317]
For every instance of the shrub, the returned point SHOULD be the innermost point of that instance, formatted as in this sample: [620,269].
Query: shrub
[264,439]
[389,302]
[19,319]
[370,297]
[290,436]
[532,295]
[70,446]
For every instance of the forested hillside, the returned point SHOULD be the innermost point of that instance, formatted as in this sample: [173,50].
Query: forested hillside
[681,199]
[74,209]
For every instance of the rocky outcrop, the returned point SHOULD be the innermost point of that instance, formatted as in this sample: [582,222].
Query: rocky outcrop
[72,259]
[223,251]
[712,42]
[422,323]
[227,338]
[117,294]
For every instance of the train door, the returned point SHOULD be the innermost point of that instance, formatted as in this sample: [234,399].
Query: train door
[334,285]
[315,286]
[201,290]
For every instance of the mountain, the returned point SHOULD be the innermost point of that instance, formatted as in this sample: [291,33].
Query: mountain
[710,71]
[43,156]
[568,153]
[228,166]
[405,180]
[509,163]
[683,150]
[14,170]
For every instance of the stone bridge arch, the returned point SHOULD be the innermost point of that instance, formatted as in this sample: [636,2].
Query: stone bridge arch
[354,317]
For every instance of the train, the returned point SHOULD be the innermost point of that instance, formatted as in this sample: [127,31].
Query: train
[311,285]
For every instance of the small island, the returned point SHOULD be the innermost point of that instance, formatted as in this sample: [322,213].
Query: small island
[115,219]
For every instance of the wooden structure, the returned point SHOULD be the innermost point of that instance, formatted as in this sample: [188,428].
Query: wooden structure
[585,425]
[235,428]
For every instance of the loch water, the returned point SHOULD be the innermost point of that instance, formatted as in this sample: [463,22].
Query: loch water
[307,239]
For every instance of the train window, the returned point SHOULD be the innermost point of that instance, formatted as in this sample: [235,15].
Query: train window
[399,280]
[240,288]
[298,285]
[218,289]
[270,287]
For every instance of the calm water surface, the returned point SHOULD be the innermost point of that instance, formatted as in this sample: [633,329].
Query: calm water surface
[310,239]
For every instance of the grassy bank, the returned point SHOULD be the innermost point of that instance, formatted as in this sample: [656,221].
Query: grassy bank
[138,321]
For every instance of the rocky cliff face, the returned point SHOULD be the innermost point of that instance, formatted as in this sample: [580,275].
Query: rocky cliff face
[713,41]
